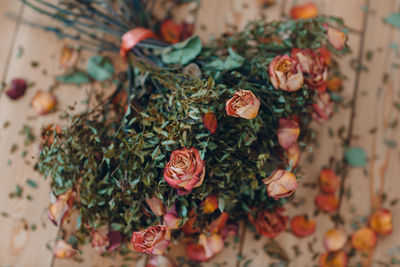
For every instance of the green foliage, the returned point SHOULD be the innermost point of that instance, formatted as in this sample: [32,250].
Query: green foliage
[76,77]
[100,68]
[355,156]
[183,52]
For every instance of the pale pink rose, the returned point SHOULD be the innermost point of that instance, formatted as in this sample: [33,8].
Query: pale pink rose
[285,73]
[153,240]
[243,104]
[281,183]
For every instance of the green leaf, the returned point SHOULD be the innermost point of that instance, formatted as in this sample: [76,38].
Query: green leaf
[31,183]
[100,68]
[77,77]
[356,157]
[393,19]
[183,52]
[221,204]
[233,61]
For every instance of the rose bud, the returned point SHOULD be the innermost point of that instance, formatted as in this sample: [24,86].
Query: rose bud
[335,37]
[50,133]
[326,55]
[100,240]
[153,240]
[69,57]
[334,240]
[206,248]
[381,222]
[170,31]
[285,73]
[302,226]
[159,261]
[364,239]
[243,104]
[193,70]
[305,11]
[219,224]
[63,250]
[210,204]
[60,206]
[185,169]
[334,84]
[210,122]
[327,203]
[328,181]
[156,206]
[288,132]
[293,155]
[333,259]
[189,228]
[43,102]
[280,184]
[17,89]
[323,108]
[314,68]
[269,224]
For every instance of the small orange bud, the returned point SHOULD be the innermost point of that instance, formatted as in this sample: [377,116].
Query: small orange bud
[210,122]
[364,239]
[334,83]
[43,102]
[333,259]
[328,181]
[301,226]
[334,240]
[305,11]
[381,222]
[327,203]
[210,204]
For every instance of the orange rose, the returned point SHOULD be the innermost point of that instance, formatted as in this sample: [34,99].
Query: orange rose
[323,108]
[269,224]
[364,239]
[336,38]
[243,104]
[185,169]
[281,184]
[153,240]
[314,68]
[285,73]
[305,11]
[381,222]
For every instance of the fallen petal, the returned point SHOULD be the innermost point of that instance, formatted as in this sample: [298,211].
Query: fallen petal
[63,250]
[334,240]
[17,89]
[327,203]
[328,181]
[302,226]
[333,259]
[364,239]
[381,222]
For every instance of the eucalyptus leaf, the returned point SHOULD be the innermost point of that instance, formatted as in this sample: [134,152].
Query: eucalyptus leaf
[77,77]
[183,52]
[100,68]
[356,157]
[393,19]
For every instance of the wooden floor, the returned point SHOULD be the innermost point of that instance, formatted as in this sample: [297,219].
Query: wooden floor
[369,122]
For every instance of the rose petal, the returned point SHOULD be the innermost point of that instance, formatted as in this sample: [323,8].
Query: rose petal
[269,224]
[115,239]
[305,11]
[17,89]
[335,37]
[63,250]
[333,259]
[364,239]
[43,102]
[171,32]
[327,203]
[334,240]
[210,122]
[210,204]
[218,224]
[159,261]
[334,84]
[281,184]
[156,206]
[328,181]
[301,226]
[293,155]
[196,252]
[172,221]
[69,57]
[381,222]
[131,38]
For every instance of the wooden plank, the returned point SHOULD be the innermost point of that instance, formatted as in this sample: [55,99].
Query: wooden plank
[326,147]
[375,110]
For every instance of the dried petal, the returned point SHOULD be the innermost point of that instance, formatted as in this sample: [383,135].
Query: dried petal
[328,181]
[288,132]
[293,155]
[336,38]
[69,57]
[172,221]
[381,222]
[334,84]
[131,38]
[210,122]
[269,224]
[100,240]
[323,108]
[305,11]
[63,250]
[281,184]
[206,249]
[188,228]
[333,259]
[43,102]
[60,206]
[17,89]
[334,240]
[210,204]
[326,55]
[219,224]
[327,203]
[159,261]
[364,239]
[302,226]
[156,205]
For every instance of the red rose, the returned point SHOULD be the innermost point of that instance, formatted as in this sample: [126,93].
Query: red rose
[314,68]
[269,224]
[153,240]
[281,184]
[243,104]
[185,169]
[285,73]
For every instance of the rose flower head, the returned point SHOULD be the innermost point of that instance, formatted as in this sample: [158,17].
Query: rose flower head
[381,222]
[243,104]
[306,11]
[269,224]
[364,239]
[185,169]
[288,132]
[334,240]
[285,73]
[206,248]
[281,183]
[153,240]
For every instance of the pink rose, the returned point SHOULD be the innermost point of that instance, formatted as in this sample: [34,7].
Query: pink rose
[281,184]
[314,68]
[323,108]
[285,73]
[288,132]
[153,240]
[185,169]
[243,104]
[335,37]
